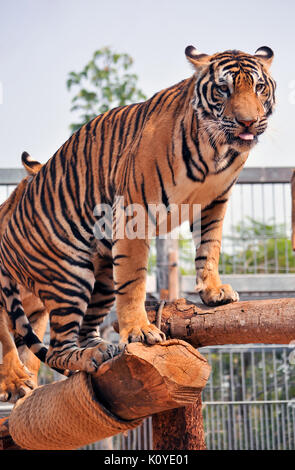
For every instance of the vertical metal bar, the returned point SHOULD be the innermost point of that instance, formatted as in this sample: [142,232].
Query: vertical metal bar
[265,398]
[219,426]
[150,428]
[244,270]
[212,399]
[276,398]
[139,439]
[286,374]
[250,427]
[208,431]
[264,237]
[253,369]
[204,421]
[286,378]
[254,239]
[222,257]
[229,427]
[275,229]
[221,379]
[283,420]
[244,398]
[145,441]
[289,419]
[121,442]
[232,386]
[233,240]
[285,230]
[261,426]
[273,442]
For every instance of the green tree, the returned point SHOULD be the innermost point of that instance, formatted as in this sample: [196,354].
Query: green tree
[105,82]
[259,248]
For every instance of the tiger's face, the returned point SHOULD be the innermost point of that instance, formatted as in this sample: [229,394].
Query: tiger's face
[234,95]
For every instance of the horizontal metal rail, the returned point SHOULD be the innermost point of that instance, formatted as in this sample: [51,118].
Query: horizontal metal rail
[249,282]
[253,402]
[249,175]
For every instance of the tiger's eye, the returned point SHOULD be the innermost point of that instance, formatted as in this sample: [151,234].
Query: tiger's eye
[222,88]
[260,87]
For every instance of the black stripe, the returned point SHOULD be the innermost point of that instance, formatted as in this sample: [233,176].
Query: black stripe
[188,159]
[165,198]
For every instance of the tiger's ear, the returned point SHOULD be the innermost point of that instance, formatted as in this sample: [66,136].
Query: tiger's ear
[31,166]
[265,55]
[195,58]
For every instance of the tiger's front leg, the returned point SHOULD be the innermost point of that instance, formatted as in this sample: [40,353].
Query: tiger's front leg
[208,282]
[130,259]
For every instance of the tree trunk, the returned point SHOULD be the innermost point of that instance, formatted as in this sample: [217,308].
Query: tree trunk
[179,429]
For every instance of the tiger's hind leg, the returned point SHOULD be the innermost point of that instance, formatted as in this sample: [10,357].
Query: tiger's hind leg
[15,379]
[66,303]
[101,302]
[67,306]
[65,351]
[38,318]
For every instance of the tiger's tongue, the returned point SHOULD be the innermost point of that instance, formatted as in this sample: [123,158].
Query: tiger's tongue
[246,136]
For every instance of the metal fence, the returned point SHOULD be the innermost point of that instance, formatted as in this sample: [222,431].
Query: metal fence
[249,401]
[257,226]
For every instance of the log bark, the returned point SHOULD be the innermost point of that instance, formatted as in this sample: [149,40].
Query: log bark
[256,321]
[179,429]
[131,389]
[146,380]
[82,409]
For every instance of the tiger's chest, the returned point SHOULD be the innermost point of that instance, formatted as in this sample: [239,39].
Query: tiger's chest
[214,185]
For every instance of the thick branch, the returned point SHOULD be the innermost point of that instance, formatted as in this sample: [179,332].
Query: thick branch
[257,321]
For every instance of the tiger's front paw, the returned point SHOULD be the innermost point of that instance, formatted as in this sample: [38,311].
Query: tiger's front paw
[220,295]
[148,334]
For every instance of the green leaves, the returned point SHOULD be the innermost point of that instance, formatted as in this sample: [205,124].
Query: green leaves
[258,248]
[104,83]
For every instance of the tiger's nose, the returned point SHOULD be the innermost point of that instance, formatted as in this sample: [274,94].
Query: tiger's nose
[247,123]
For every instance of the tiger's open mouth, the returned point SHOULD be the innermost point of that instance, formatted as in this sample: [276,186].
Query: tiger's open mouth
[246,139]
[246,136]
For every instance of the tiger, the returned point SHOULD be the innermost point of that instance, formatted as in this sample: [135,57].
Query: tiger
[19,371]
[185,145]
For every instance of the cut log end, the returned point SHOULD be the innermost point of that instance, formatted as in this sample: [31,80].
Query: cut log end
[149,379]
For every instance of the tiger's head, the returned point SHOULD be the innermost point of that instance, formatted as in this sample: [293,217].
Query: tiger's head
[234,94]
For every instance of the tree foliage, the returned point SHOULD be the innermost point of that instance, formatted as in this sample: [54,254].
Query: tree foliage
[104,83]
[259,248]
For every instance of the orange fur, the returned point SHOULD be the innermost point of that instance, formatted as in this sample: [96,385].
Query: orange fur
[185,145]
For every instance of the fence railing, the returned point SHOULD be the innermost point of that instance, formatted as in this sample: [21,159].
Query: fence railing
[249,401]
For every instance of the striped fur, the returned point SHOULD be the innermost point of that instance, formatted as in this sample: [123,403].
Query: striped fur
[185,145]
[19,370]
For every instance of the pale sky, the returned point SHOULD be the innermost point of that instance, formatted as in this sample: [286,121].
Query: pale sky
[42,40]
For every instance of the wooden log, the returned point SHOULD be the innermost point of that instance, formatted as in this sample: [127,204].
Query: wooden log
[179,429]
[83,409]
[6,441]
[256,321]
[149,379]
